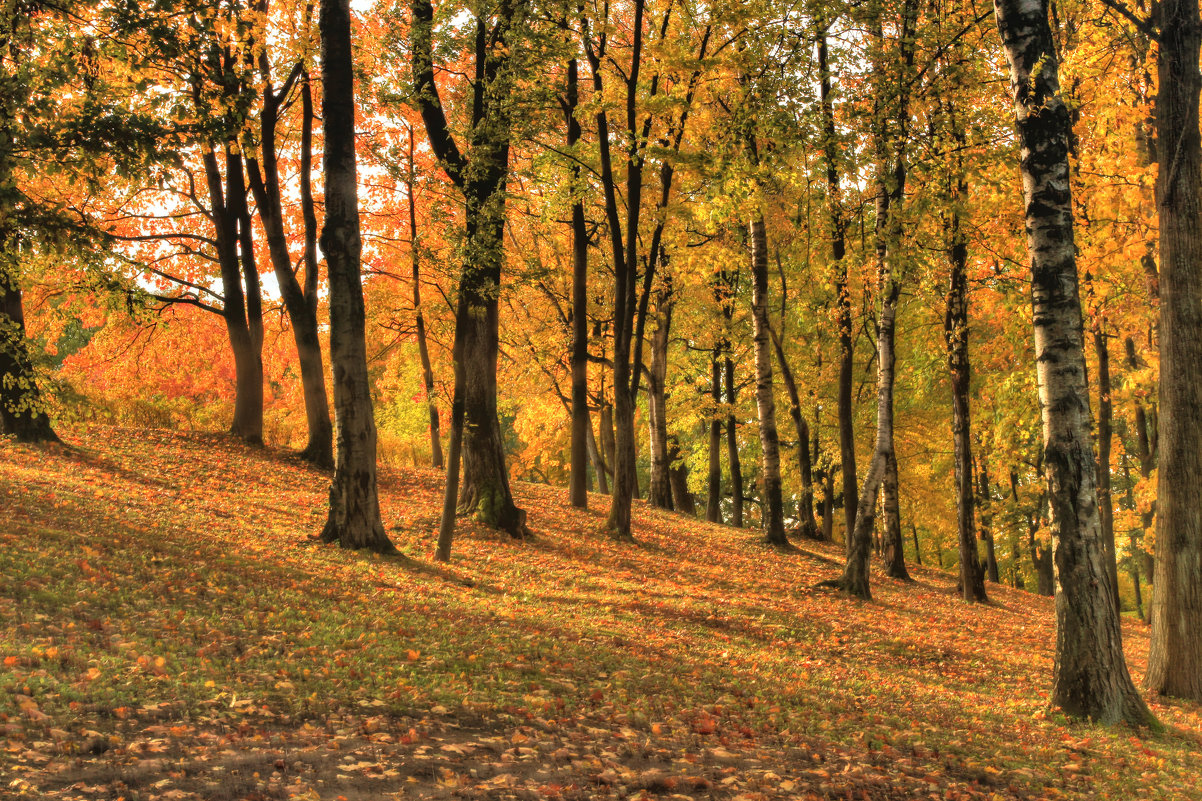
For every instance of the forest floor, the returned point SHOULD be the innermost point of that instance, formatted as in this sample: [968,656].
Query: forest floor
[168,631]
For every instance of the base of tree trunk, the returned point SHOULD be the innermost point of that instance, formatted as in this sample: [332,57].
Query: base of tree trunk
[318,456]
[351,537]
[35,431]
[847,587]
[493,509]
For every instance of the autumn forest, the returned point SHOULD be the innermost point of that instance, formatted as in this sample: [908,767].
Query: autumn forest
[729,320]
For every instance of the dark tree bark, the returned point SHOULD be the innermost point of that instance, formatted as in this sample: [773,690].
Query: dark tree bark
[1105,420]
[423,348]
[1133,560]
[22,413]
[890,146]
[227,199]
[482,178]
[354,517]
[809,528]
[838,229]
[1147,461]
[1089,674]
[1175,654]
[299,302]
[893,554]
[765,401]
[732,445]
[578,490]
[955,332]
[594,454]
[659,491]
[713,507]
[678,476]
[985,495]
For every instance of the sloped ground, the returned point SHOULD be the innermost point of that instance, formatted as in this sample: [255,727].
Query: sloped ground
[168,632]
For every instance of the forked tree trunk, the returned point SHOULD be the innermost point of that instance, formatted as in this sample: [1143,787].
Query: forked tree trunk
[247,423]
[22,412]
[1089,674]
[481,176]
[354,517]
[300,303]
[1175,655]
[809,528]
[765,402]
[890,147]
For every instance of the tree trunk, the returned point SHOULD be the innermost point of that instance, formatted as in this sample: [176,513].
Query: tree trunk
[423,348]
[1089,674]
[264,182]
[732,447]
[917,550]
[955,334]
[659,493]
[893,552]
[578,489]
[594,454]
[765,402]
[678,476]
[248,366]
[354,517]
[1105,418]
[1147,461]
[809,528]
[1175,655]
[482,177]
[713,506]
[22,413]
[1133,559]
[984,493]
[838,226]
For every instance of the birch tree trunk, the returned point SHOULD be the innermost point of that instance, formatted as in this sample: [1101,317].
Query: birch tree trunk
[354,516]
[1089,674]
[1175,655]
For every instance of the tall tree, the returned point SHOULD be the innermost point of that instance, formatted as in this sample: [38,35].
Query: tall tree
[481,174]
[578,493]
[890,143]
[773,511]
[354,515]
[300,300]
[1089,675]
[1175,655]
[838,234]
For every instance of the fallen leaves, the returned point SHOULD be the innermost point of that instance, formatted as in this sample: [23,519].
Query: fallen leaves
[197,643]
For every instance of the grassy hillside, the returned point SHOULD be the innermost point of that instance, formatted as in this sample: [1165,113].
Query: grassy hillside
[168,631]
